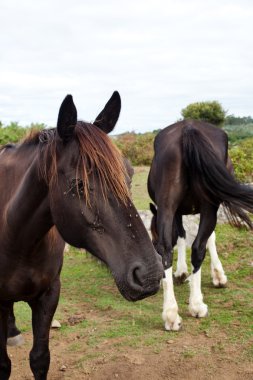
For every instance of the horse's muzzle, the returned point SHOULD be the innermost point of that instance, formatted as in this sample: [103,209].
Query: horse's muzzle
[141,282]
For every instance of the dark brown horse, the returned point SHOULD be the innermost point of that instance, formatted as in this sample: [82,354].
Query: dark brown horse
[191,174]
[66,184]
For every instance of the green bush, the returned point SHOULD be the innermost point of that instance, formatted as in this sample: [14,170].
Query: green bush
[237,132]
[13,132]
[211,112]
[242,158]
[138,148]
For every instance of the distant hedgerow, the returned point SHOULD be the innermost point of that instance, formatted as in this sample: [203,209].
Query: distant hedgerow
[13,132]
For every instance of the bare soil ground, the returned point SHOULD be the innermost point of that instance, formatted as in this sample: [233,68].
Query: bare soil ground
[187,357]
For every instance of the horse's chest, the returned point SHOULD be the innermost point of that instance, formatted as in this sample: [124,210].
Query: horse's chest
[25,283]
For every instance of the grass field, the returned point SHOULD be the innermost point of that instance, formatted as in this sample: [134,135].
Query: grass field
[97,323]
[139,188]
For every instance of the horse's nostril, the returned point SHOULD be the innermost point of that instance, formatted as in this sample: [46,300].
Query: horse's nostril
[137,276]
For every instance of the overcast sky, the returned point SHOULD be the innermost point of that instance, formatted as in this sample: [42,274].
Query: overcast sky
[160,55]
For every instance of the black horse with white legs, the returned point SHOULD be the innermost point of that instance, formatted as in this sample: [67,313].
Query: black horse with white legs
[191,174]
[66,184]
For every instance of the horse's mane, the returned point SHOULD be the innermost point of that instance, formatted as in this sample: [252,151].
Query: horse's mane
[97,155]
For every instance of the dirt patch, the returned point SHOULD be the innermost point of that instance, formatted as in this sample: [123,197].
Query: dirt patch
[188,357]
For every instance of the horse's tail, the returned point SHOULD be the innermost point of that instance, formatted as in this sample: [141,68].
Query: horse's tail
[209,177]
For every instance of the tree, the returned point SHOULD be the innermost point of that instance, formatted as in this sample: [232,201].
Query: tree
[211,112]
[238,120]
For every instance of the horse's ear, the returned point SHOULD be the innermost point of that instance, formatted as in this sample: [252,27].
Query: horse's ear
[153,209]
[67,119]
[107,118]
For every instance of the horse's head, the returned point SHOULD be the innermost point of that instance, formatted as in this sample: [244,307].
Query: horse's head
[90,202]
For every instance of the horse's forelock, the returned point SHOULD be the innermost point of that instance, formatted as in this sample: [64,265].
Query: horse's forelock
[96,153]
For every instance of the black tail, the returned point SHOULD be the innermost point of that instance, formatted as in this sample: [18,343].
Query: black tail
[210,178]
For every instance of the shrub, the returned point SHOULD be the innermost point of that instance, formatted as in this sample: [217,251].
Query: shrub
[242,158]
[138,148]
[238,132]
[13,132]
[211,112]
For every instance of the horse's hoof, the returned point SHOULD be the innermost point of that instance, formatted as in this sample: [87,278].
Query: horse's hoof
[219,278]
[220,282]
[220,286]
[173,326]
[17,340]
[178,280]
[199,310]
[201,315]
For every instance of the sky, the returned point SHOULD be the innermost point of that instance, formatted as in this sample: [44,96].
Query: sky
[161,55]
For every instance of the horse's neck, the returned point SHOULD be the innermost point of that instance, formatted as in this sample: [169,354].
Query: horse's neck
[27,214]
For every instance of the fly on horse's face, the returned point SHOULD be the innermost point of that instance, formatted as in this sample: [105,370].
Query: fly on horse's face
[91,206]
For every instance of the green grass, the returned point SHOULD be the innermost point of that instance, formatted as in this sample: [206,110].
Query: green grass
[139,188]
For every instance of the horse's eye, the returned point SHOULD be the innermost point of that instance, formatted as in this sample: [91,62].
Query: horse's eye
[76,185]
[80,184]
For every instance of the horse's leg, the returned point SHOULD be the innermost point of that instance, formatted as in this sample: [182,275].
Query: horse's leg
[171,318]
[15,337]
[208,218]
[182,271]
[5,363]
[217,272]
[43,309]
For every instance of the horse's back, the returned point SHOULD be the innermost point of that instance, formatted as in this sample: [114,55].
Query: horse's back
[170,138]
[168,173]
